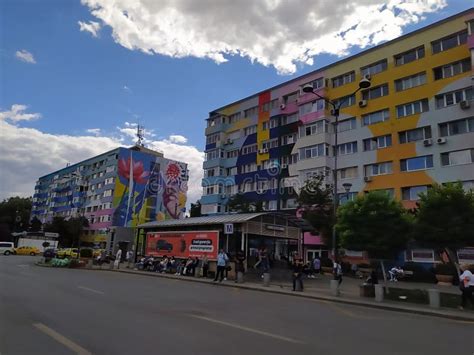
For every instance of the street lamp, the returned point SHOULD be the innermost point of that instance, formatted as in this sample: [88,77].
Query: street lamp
[364,83]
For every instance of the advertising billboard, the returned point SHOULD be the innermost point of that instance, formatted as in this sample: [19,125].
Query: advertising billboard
[183,244]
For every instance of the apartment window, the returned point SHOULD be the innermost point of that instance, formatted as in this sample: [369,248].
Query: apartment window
[290,98]
[449,42]
[456,127]
[313,151]
[289,119]
[235,117]
[377,142]
[250,130]
[452,69]
[250,112]
[410,81]
[289,204]
[376,117]
[416,163]
[274,104]
[378,169]
[109,169]
[345,101]
[289,139]
[209,190]
[458,157]
[453,97]
[270,164]
[375,92]
[273,123]
[348,173]
[249,149]
[231,171]
[412,108]
[414,135]
[347,125]
[233,154]
[265,126]
[346,197]
[389,192]
[309,107]
[343,79]
[410,56]
[374,68]
[314,128]
[213,138]
[272,143]
[288,159]
[412,193]
[107,193]
[249,168]
[347,148]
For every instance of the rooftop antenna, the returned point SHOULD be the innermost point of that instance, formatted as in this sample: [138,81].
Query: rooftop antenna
[140,136]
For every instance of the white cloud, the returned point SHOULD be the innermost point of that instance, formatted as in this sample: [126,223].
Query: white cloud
[25,56]
[176,138]
[92,27]
[94,131]
[280,33]
[16,113]
[127,89]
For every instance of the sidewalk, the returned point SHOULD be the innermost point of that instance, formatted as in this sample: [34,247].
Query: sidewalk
[319,289]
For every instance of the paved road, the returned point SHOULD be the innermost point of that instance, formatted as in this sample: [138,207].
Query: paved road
[63,311]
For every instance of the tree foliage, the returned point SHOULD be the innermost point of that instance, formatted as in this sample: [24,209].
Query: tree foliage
[241,204]
[195,209]
[445,217]
[14,216]
[69,230]
[375,223]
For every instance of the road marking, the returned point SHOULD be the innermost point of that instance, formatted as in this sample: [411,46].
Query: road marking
[90,290]
[62,339]
[251,330]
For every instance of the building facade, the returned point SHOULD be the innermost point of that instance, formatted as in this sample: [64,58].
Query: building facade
[115,191]
[413,127]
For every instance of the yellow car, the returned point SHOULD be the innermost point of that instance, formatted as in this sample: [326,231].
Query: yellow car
[97,252]
[27,251]
[67,253]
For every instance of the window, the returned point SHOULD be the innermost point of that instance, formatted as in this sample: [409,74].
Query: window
[374,68]
[452,69]
[343,79]
[270,164]
[274,104]
[412,108]
[233,135]
[456,127]
[235,117]
[375,117]
[376,92]
[253,111]
[309,107]
[231,171]
[389,192]
[459,157]
[453,97]
[109,169]
[347,148]
[209,190]
[347,125]
[410,81]
[290,98]
[214,154]
[289,139]
[213,138]
[416,163]
[410,56]
[378,169]
[273,123]
[289,119]
[316,84]
[289,204]
[422,256]
[377,142]
[345,101]
[272,143]
[107,193]
[314,128]
[233,154]
[318,150]
[250,130]
[288,159]
[412,193]
[266,107]
[346,197]
[449,42]
[249,149]
[265,126]
[348,173]
[414,135]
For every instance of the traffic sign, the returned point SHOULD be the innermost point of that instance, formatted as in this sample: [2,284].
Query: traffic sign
[229,228]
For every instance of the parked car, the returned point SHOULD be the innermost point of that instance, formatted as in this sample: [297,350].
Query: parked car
[67,253]
[49,253]
[7,248]
[25,250]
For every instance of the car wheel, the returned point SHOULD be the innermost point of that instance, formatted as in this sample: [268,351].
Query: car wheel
[32,253]
[7,253]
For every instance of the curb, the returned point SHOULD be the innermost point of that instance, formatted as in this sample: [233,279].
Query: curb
[387,307]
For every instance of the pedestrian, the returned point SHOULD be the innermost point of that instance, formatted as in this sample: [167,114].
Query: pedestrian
[395,272]
[205,266]
[118,258]
[466,284]
[298,273]
[227,267]
[337,271]
[265,261]
[239,263]
[222,259]
[129,258]
[317,266]
[373,278]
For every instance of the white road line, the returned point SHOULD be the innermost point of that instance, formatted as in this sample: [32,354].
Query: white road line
[62,339]
[90,290]
[251,330]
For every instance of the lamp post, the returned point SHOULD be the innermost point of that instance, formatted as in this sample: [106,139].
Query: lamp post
[364,83]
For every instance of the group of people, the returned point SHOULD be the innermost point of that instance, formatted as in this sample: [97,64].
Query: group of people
[169,264]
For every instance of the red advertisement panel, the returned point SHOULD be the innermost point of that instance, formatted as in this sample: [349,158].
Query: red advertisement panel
[183,244]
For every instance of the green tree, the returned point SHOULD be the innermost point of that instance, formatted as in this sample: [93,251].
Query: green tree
[241,204]
[375,223]
[316,202]
[14,216]
[35,224]
[69,230]
[195,209]
[445,218]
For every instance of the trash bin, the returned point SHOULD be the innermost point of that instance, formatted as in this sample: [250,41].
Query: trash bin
[367,290]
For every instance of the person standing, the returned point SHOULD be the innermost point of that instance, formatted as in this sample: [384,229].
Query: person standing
[205,266]
[222,260]
[466,285]
[317,266]
[129,258]
[239,264]
[118,258]
[298,273]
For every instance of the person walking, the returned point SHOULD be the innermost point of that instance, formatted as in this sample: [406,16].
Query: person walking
[298,274]
[466,284]
[337,271]
[317,266]
[118,258]
[129,258]
[222,260]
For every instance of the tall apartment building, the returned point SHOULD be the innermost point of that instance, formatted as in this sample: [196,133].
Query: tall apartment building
[115,191]
[413,127]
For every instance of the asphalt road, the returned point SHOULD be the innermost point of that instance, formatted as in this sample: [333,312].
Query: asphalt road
[63,311]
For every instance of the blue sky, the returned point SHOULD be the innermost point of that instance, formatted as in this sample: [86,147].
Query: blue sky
[80,82]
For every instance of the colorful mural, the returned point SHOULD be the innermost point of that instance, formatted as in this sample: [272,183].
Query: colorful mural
[148,188]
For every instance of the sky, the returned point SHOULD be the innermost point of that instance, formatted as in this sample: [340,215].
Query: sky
[76,77]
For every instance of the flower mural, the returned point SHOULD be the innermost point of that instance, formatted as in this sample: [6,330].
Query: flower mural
[137,171]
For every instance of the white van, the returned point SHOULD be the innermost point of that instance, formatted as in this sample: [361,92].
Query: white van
[7,248]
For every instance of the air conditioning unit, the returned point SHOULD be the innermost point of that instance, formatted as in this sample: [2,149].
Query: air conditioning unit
[427,142]
[465,104]
[282,106]
[362,103]
[368,178]
[284,166]
[441,140]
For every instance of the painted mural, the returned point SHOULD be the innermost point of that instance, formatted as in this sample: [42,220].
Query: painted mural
[148,188]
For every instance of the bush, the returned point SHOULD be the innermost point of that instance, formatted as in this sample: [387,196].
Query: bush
[444,269]
[86,253]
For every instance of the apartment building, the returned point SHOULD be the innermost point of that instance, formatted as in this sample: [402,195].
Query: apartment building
[414,126]
[115,191]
